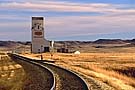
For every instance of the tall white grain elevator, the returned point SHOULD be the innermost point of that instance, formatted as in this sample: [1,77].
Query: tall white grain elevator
[39,43]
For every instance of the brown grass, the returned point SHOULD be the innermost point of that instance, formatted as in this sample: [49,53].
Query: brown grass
[11,74]
[105,67]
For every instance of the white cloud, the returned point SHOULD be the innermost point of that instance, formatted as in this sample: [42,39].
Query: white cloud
[113,20]
[66,7]
[92,25]
[78,25]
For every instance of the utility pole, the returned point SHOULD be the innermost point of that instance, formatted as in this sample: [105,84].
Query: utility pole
[41,52]
[52,49]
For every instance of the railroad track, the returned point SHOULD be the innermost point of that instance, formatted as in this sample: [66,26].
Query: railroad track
[64,79]
[68,80]
[39,76]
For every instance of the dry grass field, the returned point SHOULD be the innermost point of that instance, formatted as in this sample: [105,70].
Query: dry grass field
[114,68]
[11,74]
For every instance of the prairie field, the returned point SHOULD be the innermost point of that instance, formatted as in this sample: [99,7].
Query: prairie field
[11,73]
[115,68]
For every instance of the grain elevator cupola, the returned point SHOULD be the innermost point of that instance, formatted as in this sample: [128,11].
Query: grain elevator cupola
[39,43]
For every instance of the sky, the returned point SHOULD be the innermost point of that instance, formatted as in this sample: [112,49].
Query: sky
[81,20]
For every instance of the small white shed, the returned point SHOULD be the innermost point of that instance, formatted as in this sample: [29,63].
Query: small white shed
[77,53]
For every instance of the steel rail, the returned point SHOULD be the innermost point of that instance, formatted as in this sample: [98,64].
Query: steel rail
[72,72]
[37,64]
[42,64]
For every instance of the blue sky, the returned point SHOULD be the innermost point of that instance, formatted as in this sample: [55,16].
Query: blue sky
[68,19]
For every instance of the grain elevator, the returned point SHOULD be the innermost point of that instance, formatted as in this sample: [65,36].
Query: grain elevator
[39,43]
